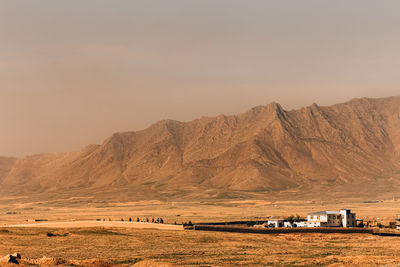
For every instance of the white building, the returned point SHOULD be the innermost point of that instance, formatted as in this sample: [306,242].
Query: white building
[398,222]
[287,224]
[344,218]
[348,218]
[276,223]
[300,224]
[324,219]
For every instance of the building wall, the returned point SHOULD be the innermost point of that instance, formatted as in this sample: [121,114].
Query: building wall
[334,220]
[348,218]
[314,224]
[343,219]
[327,220]
[301,224]
[287,224]
[275,223]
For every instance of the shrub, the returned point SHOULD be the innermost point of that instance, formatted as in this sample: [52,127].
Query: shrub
[250,224]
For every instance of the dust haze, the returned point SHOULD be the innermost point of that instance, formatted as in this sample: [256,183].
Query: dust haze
[73,74]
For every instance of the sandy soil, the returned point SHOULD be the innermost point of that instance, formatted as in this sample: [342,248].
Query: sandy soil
[77,238]
[127,246]
[179,212]
[88,224]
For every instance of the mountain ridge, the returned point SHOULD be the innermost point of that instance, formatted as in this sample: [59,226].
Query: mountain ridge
[266,151]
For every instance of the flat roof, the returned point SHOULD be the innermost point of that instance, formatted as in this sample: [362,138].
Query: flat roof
[325,212]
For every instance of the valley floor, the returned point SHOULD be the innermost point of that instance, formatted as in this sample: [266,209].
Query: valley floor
[126,246]
[23,211]
[89,224]
[122,243]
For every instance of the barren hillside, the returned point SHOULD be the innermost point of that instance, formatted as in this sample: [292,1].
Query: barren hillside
[6,164]
[338,150]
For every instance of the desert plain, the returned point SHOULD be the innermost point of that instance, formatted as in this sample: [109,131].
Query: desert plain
[95,206]
[126,247]
[86,233]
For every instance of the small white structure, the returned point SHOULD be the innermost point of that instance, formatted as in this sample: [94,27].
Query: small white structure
[300,224]
[276,223]
[294,224]
[398,222]
[344,218]
[287,224]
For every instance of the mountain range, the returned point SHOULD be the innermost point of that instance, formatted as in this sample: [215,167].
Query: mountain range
[347,150]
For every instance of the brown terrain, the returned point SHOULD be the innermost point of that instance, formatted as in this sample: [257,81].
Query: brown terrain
[344,150]
[264,163]
[6,164]
[126,247]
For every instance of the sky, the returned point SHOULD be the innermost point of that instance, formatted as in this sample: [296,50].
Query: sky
[73,72]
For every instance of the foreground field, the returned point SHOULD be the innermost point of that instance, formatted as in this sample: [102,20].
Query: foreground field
[126,246]
[121,243]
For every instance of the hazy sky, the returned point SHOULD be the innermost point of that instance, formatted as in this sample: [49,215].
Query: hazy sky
[72,72]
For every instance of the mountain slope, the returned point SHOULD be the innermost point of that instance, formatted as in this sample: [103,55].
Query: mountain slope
[6,164]
[347,148]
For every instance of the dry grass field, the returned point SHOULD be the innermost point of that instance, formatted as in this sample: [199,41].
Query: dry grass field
[116,244]
[17,212]
[126,247]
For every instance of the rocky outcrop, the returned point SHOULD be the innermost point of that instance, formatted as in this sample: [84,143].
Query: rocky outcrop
[11,258]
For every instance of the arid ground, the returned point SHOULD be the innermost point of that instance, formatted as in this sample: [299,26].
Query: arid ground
[125,247]
[22,211]
[120,243]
